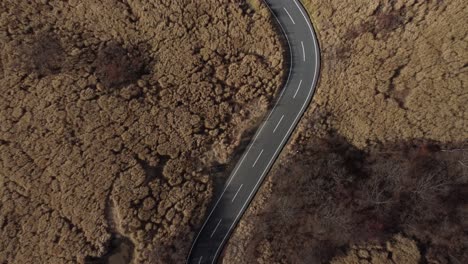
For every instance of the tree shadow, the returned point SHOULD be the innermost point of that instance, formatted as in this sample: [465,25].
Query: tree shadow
[344,196]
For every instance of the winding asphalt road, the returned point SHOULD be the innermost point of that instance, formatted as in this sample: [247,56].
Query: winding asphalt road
[270,138]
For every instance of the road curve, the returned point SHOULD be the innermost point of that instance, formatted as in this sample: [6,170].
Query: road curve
[273,134]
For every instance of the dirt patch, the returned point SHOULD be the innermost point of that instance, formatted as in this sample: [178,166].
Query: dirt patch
[120,251]
[111,115]
[397,250]
[379,161]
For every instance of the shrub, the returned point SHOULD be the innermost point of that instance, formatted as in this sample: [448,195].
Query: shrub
[117,67]
[45,56]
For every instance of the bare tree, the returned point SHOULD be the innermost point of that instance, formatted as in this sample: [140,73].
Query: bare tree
[286,209]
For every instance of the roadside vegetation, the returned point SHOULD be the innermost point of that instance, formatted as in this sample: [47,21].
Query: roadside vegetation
[377,169]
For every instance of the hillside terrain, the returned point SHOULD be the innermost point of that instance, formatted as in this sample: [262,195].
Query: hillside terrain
[377,171]
[112,114]
[118,120]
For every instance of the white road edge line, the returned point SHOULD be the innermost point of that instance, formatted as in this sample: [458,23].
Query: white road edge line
[289,15]
[235,195]
[199,261]
[305,103]
[261,152]
[231,177]
[297,90]
[303,51]
[279,122]
[212,234]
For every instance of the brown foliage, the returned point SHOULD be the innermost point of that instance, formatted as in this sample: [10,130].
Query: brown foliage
[120,140]
[392,70]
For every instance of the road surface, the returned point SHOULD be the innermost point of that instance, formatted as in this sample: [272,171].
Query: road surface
[270,138]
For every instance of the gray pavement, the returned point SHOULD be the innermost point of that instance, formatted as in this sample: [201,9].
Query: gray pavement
[273,134]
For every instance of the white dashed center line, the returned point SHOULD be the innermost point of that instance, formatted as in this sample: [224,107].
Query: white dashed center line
[298,87]
[279,122]
[303,51]
[212,234]
[257,158]
[235,195]
[289,15]
[250,192]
